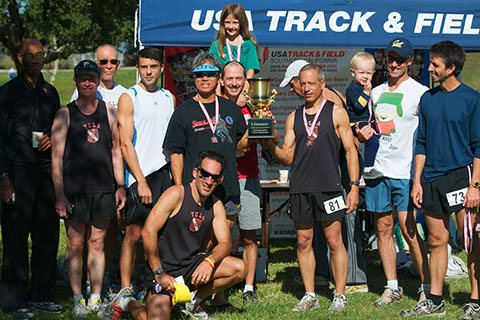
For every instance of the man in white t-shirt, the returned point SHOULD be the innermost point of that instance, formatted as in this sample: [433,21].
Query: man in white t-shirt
[396,104]
[108,90]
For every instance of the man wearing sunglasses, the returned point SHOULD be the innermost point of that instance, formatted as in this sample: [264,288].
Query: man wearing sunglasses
[109,90]
[396,107]
[173,236]
[27,108]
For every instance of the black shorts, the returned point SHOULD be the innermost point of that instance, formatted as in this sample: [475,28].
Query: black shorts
[317,206]
[136,212]
[186,272]
[445,195]
[91,207]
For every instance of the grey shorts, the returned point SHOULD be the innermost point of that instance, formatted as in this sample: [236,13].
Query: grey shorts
[249,217]
[232,208]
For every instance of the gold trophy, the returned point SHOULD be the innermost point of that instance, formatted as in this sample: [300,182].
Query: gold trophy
[260,126]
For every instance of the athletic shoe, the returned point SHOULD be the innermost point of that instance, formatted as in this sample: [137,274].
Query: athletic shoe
[119,304]
[422,296]
[80,310]
[471,311]
[194,312]
[307,303]
[94,306]
[425,308]
[372,174]
[249,297]
[48,306]
[22,314]
[389,296]
[356,288]
[339,303]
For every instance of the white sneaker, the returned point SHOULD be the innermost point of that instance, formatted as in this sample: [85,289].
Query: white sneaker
[80,310]
[95,307]
[339,303]
[196,312]
[307,303]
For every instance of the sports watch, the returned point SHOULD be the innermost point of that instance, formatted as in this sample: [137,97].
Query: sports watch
[158,271]
[355,183]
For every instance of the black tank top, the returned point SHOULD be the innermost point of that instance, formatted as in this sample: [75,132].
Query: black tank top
[315,164]
[88,166]
[181,238]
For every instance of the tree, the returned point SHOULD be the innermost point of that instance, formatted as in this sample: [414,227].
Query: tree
[66,27]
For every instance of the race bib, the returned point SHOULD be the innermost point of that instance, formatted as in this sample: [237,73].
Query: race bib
[334,205]
[456,197]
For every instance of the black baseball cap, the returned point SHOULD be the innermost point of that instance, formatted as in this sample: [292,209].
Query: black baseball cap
[401,46]
[86,67]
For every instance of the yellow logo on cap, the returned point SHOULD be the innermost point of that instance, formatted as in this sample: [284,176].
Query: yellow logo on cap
[397,43]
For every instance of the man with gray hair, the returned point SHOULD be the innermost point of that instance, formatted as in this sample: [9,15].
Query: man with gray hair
[207,122]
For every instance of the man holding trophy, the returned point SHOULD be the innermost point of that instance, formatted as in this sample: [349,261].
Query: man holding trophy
[313,135]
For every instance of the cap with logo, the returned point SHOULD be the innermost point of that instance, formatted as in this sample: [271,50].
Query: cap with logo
[401,46]
[292,71]
[86,67]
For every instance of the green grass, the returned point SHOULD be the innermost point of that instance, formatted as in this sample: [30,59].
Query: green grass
[280,293]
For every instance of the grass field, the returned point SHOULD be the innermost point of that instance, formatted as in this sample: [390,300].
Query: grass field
[280,293]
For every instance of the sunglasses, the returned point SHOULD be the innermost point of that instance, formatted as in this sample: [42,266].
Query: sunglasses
[398,60]
[112,61]
[202,74]
[204,174]
[36,56]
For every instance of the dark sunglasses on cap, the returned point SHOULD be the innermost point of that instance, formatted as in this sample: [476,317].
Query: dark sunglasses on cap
[205,174]
[398,60]
[112,61]
[202,74]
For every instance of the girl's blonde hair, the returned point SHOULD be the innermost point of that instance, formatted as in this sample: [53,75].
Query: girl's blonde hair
[238,12]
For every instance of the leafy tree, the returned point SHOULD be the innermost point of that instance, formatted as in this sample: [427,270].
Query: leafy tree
[67,26]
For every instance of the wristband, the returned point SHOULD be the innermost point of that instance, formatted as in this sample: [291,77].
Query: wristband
[121,186]
[210,262]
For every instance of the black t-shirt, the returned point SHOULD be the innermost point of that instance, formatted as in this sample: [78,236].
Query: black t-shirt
[189,133]
[23,109]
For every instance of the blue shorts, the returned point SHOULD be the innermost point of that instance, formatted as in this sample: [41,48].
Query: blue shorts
[381,195]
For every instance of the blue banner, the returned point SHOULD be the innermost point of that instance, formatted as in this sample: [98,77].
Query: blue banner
[326,23]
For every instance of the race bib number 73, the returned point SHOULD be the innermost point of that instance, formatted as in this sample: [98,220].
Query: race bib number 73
[456,197]
[334,205]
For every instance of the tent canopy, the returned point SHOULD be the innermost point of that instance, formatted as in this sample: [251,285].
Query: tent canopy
[326,23]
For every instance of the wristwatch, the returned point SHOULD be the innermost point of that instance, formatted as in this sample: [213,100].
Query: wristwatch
[355,183]
[158,271]
[474,184]
[3,175]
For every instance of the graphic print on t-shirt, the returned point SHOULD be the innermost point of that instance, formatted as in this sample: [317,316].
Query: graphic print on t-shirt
[93,133]
[221,132]
[197,219]
[387,109]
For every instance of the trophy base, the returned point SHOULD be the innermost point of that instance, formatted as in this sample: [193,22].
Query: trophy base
[260,128]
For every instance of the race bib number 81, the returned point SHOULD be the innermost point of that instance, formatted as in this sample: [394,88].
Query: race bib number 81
[456,197]
[334,205]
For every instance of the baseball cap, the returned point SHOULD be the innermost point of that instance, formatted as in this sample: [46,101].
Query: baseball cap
[292,71]
[401,46]
[86,67]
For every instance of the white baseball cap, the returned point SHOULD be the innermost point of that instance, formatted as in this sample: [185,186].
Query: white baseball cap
[292,71]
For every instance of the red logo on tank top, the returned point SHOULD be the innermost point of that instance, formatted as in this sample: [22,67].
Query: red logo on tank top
[93,133]
[197,219]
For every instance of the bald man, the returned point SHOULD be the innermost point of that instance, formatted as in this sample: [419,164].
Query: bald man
[109,90]
[27,107]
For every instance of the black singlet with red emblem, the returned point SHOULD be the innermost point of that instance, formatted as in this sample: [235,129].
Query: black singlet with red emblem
[315,161]
[181,238]
[87,161]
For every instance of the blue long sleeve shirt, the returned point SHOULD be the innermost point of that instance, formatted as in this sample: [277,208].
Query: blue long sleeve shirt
[448,130]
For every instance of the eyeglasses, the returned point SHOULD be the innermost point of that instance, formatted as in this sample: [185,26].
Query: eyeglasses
[112,61]
[202,74]
[204,174]
[398,60]
[31,56]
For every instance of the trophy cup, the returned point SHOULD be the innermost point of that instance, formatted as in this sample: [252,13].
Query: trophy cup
[260,126]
